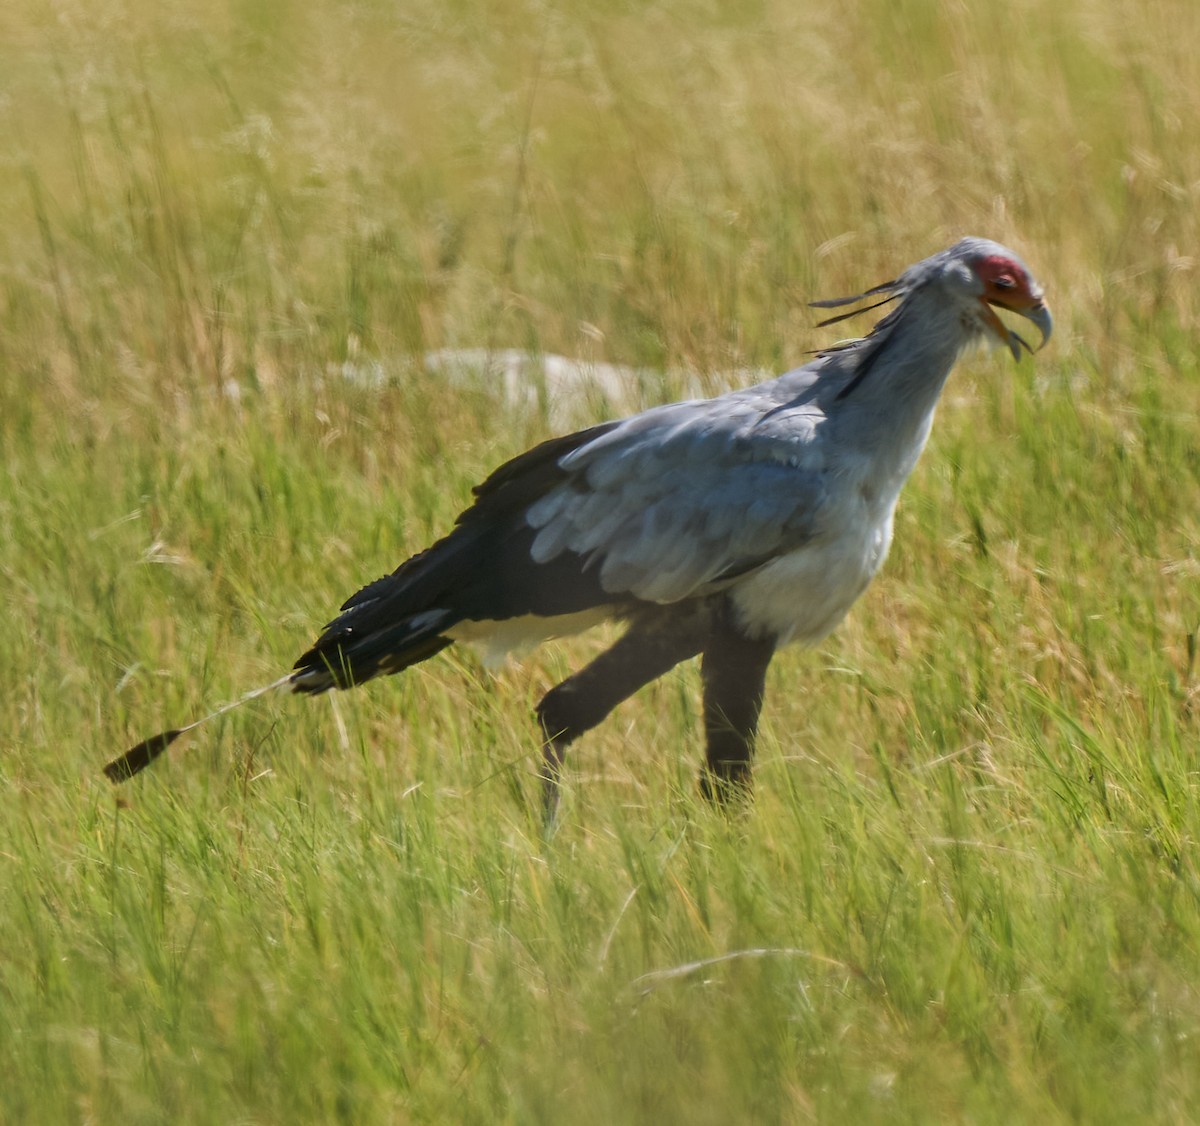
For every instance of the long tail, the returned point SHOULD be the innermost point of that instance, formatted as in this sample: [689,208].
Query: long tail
[137,758]
[481,571]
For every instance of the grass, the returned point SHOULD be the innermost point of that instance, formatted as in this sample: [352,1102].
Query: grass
[967,890]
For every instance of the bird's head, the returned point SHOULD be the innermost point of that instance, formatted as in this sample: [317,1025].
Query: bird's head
[975,274]
[985,276]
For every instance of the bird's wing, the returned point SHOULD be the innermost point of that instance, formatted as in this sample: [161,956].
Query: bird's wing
[682,499]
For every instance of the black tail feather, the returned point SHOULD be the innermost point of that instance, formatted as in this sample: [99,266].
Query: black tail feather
[136,759]
[344,661]
[482,571]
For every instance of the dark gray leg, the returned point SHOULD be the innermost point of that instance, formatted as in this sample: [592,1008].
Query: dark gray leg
[734,671]
[584,699]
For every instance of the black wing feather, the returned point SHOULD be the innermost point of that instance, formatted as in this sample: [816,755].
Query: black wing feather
[481,571]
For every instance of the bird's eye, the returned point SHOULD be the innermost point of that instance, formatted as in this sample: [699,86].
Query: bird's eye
[1004,282]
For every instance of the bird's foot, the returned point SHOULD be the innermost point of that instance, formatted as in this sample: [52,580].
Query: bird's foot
[729,787]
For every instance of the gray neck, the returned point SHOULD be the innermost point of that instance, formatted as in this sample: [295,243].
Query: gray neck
[892,405]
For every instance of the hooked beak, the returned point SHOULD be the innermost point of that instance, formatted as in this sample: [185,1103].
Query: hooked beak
[1037,311]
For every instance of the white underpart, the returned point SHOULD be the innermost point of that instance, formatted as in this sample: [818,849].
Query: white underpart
[803,596]
[830,576]
[498,640]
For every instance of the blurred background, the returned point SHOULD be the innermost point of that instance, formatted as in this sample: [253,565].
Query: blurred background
[199,191]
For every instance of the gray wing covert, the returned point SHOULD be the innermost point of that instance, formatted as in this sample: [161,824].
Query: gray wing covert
[682,499]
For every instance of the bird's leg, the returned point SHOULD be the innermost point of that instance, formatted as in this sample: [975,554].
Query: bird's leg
[734,671]
[581,701]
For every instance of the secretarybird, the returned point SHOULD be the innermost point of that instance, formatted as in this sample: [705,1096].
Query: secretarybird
[723,527]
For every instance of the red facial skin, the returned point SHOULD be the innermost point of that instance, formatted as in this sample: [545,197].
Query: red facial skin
[1006,284]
